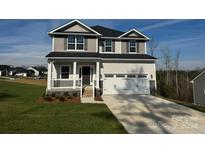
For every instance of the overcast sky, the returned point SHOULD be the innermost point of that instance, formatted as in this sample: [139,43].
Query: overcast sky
[25,42]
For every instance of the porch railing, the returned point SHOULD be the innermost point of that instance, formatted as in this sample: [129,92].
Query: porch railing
[65,83]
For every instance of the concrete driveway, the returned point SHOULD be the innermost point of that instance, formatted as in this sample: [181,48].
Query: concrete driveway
[149,114]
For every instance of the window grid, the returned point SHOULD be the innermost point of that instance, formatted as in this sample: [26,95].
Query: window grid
[75,43]
[65,72]
[132,46]
[108,46]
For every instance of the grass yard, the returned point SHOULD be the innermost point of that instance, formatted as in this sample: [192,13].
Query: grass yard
[20,113]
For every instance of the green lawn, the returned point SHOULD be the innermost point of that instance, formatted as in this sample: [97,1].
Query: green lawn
[20,113]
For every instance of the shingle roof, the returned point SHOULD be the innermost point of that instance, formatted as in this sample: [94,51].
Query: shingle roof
[107,32]
[98,55]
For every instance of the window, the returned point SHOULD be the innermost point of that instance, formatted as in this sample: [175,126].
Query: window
[132,46]
[109,75]
[65,72]
[75,43]
[108,45]
[131,76]
[120,75]
[142,76]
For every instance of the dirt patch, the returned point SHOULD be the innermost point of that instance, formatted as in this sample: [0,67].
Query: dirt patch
[42,82]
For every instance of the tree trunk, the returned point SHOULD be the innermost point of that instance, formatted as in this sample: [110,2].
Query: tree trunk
[177,89]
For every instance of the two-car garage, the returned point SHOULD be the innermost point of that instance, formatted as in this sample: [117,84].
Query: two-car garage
[126,84]
[128,77]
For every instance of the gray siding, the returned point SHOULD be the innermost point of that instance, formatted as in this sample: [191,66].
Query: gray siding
[60,44]
[141,47]
[199,90]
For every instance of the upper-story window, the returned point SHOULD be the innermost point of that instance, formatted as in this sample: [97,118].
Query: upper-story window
[132,46]
[75,43]
[108,46]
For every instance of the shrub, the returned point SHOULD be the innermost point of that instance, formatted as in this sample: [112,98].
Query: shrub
[48,98]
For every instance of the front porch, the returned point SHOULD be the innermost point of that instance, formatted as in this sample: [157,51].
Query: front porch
[73,77]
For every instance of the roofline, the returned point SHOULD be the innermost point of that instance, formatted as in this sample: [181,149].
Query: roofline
[136,32]
[198,76]
[125,38]
[75,20]
[60,33]
[98,58]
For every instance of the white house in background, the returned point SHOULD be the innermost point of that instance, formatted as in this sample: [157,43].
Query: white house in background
[36,72]
[0,73]
[21,74]
[98,60]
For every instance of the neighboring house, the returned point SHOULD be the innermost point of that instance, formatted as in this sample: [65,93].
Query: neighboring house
[21,74]
[0,73]
[100,60]
[20,71]
[36,72]
[199,89]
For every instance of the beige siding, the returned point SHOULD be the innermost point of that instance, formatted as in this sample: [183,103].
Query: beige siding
[59,43]
[76,28]
[124,47]
[138,68]
[117,46]
[141,47]
[91,44]
[134,35]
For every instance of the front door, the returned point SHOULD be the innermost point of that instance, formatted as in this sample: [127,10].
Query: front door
[86,75]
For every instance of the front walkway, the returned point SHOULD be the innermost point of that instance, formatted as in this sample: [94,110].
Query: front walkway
[149,114]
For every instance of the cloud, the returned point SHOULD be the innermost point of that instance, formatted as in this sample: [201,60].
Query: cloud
[161,24]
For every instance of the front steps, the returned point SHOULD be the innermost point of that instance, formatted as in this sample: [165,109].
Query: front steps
[88,91]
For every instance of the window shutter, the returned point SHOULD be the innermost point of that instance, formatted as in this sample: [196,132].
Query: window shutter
[137,47]
[65,43]
[127,44]
[103,46]
[113,45]
[86,44]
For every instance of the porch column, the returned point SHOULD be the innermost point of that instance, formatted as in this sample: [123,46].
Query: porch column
[74,74]
[49,75]
[97,74]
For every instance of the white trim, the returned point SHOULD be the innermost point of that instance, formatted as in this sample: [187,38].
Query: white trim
[198,75]
[53,41]
[134,31]
[124,38]
[61,70]
[75,20]
[74,73]
[145,47]
[97,47]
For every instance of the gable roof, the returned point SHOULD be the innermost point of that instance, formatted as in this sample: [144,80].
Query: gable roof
[107,32]
[65,26]
[198,76]
[134,31]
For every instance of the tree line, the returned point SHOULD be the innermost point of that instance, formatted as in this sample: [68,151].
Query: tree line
[171,81]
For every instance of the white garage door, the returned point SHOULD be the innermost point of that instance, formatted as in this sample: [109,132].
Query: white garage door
[129,85]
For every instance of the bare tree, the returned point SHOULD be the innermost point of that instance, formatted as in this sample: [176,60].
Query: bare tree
[167,61]
[176,70]
[152,46]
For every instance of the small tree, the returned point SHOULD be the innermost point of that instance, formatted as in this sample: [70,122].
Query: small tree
[153,45]
[176,70]
[167,61]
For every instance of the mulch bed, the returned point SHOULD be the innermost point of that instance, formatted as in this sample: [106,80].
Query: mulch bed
[98,98]
[51,99]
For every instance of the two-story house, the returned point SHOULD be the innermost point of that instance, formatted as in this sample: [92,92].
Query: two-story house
[100,60]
